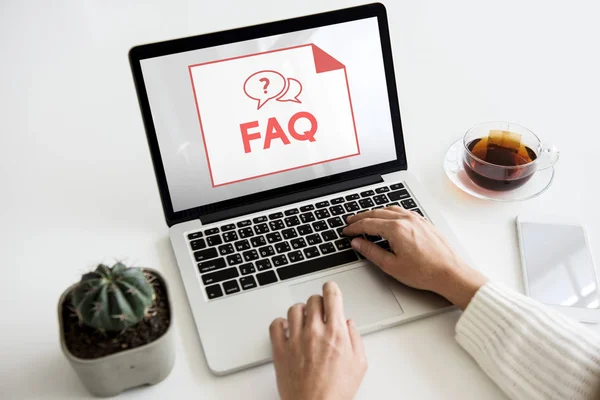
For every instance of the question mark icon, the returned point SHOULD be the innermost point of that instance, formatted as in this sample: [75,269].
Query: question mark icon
[267,82]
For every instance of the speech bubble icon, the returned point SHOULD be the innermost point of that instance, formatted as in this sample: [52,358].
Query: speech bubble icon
[294,88]
[263,86]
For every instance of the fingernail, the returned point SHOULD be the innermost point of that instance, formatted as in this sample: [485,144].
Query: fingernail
[356,244]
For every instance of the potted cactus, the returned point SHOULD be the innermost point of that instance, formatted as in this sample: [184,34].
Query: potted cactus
[115,328]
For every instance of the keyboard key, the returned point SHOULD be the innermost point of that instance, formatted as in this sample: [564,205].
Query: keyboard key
[258,241]
[258,220]
[418,212]
[352,206]
[367,193]
[289,233]
[342,244]
[275,215]
[337,210]
[393,204]
[198,244]
[381,199]
[250,255]
[262,265]
[309,207]
[373,238]
[366,203]
[397,186]
[408,204]
[234,259]
[219,276]
[214,240]
[383,189]
[246,269]
[296,256]
[266,251]
[226,249]
[305,230]
[311,252]
[293,211]
[241,224]
[242,245]
[345,217]
[322,204]
[211,231]
[276,225]
[207,254]
[282,247]
[317,264]
[213,291]
[211,265]
[246,232]
[265,278]
[194,235]
[327,248]
[307,217]
[279,261]
[399,195]
[273,237]
[352,197]
[314,239]
[230,236]
[231,287]
[335,222]
[376,208]
[248,282]
[298,243]
[329,236]
[338,200]
[292,221]
[227,227]
[322,214]
[384,245]
[320,226]
[261,228]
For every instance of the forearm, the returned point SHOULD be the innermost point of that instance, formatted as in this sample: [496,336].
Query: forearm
[529,350]
[459,284]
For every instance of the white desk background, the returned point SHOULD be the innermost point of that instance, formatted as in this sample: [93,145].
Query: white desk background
[77,184]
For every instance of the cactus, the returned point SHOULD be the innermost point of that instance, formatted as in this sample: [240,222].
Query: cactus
[112,299]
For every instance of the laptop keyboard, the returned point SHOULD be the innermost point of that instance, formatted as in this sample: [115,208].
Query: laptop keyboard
[274,247]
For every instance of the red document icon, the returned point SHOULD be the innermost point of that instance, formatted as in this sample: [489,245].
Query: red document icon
[267,113]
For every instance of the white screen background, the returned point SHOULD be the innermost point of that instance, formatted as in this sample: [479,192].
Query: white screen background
[356,44]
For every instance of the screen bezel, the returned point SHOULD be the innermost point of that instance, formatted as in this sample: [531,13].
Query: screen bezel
[138,53]
[579,313]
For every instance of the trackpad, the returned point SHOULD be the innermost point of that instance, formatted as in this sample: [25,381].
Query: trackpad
[367,297]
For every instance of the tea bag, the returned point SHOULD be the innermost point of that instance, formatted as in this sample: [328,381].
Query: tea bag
[506,140]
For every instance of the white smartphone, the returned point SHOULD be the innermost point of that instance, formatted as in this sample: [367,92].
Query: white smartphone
[558,268]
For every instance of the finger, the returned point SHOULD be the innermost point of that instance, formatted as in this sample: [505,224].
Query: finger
[370,226]
[392,212]
[333,305]
[296,320]
[278,338]
[355,339]
[314,310]
[372,252]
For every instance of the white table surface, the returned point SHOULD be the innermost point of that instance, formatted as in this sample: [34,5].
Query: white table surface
[78,185]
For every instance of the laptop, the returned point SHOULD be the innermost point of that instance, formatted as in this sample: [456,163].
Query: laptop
[264,139]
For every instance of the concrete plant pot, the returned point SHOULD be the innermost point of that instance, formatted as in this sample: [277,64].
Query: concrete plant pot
[110,375]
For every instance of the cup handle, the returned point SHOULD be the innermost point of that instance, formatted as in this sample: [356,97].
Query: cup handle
[548,157]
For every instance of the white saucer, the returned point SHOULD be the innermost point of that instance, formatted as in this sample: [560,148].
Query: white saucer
[538,184]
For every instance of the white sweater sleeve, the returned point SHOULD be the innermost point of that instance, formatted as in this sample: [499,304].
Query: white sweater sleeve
[527,349]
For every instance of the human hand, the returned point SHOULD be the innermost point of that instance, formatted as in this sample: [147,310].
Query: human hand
[420,257]
[322,357]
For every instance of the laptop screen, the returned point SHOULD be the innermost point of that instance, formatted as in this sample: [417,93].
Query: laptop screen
[250,116]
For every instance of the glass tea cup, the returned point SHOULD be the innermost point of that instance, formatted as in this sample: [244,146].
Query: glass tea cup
[502,156]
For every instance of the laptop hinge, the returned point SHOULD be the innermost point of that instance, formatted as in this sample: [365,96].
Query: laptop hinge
[290,198]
